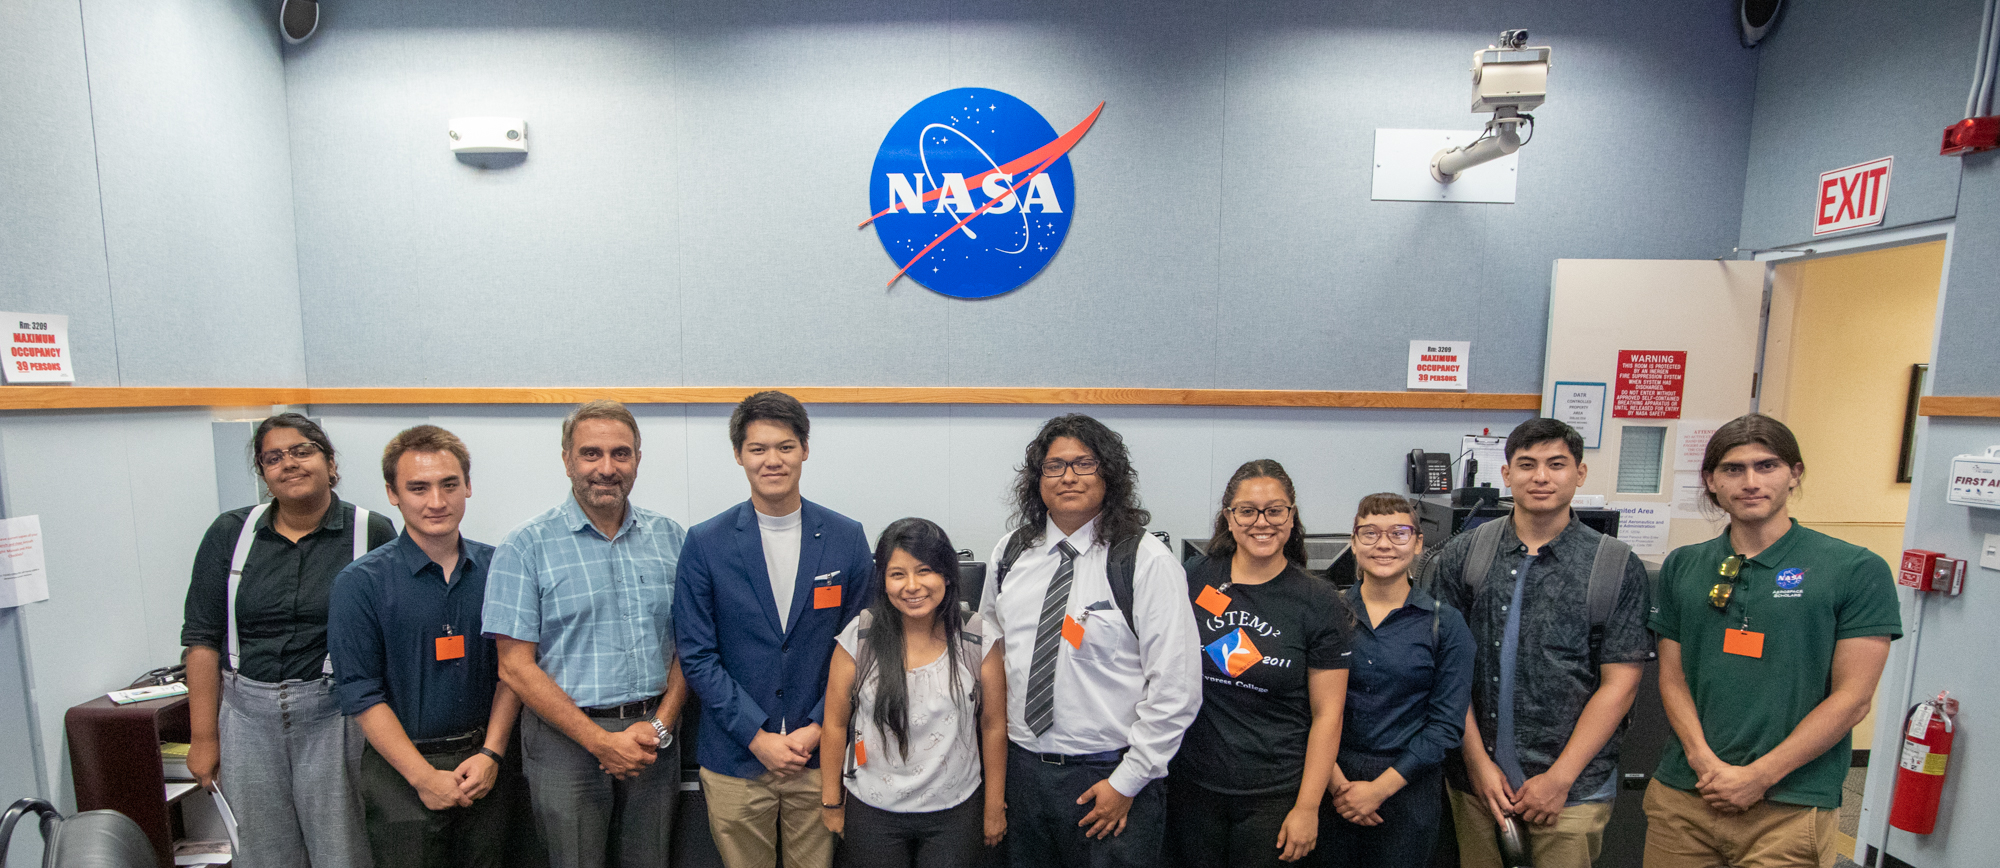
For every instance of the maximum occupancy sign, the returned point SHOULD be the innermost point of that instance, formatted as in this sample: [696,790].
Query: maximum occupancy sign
[971,193]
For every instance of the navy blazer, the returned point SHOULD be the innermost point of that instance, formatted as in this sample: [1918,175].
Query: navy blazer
[750,675]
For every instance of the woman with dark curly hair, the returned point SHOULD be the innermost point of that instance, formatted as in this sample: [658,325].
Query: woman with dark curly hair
[1102,669]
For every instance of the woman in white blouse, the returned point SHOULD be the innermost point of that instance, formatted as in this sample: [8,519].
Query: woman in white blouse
[922,683]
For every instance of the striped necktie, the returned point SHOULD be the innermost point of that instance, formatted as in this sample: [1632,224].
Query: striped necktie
[1048,634]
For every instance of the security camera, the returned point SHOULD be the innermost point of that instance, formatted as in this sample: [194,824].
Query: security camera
[1508,79]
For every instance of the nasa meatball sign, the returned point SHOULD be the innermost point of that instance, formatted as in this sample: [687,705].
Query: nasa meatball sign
[971,193]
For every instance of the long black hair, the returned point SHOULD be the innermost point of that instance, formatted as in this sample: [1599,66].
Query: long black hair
[926,542]
[1121,516]
[1223,543]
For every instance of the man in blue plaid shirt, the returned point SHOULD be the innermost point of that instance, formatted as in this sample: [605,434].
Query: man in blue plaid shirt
[580,602]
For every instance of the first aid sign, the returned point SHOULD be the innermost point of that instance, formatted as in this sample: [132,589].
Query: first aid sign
[1853,197]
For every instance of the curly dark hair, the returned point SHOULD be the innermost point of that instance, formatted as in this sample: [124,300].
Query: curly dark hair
[1121,517]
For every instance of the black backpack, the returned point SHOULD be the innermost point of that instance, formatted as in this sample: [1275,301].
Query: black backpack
[1119,568]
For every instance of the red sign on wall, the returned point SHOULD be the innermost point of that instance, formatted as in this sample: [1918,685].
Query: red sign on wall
[1853,197]
[1649,384]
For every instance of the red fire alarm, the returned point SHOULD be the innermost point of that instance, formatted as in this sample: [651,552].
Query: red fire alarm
[1971,136]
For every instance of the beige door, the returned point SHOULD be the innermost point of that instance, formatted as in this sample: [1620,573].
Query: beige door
[1712,311]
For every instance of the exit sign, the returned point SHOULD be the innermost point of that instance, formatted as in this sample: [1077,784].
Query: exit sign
[1853,197]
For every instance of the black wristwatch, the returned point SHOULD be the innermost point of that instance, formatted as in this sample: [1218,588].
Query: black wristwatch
[666,735]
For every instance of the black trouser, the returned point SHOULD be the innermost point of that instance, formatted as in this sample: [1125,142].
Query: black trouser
[1409,826]
[1042,817]
[951,838]
[402,833]
[1207,829]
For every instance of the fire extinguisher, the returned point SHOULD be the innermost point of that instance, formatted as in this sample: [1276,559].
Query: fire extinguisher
[1927,734]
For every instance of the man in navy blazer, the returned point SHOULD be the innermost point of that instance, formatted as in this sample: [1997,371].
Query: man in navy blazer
[761,592]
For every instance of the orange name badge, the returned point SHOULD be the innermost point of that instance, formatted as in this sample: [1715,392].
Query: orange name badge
[1743,643]
[826,597]
[1072,631]
[860,752]
[451,647]
[1216,602]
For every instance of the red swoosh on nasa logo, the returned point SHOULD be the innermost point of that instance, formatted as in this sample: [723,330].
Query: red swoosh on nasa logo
[1048,153]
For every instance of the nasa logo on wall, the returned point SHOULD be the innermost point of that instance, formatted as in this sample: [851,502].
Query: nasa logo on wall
[972,192]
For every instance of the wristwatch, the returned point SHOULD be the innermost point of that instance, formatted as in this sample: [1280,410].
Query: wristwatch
[666,735]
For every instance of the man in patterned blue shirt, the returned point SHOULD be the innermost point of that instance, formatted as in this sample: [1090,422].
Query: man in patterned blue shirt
[580,602]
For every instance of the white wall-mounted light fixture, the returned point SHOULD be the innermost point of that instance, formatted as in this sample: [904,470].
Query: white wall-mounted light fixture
[488,135]
[1508,78]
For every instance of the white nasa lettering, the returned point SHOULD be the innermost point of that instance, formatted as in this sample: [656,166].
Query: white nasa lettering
[955,198]
[1042,191]
[901,188]
[995,188]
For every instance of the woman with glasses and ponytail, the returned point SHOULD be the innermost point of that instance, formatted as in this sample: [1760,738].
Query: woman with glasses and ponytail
[1246,787]
[916,700]
[1409,685]
[266,728]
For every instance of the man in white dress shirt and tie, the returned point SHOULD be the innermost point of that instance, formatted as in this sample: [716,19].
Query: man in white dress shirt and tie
[1103,662]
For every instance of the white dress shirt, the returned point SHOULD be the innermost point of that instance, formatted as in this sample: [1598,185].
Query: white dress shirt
[781,536]
[1114,690]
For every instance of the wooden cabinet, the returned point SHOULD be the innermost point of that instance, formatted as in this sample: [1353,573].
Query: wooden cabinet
[114,755]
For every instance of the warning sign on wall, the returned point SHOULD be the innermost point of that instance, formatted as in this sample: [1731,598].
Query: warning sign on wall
[1649,384]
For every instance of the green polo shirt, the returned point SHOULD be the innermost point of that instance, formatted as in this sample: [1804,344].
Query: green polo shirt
[1804,593]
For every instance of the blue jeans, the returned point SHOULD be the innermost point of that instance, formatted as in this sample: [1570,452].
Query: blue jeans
[290,761]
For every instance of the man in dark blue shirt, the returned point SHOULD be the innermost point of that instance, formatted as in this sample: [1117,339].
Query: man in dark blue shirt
[414,668]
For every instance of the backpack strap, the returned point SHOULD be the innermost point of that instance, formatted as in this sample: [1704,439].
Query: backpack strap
[1119,569]
[1607,575]
[1479,560]
[863,622]
[1017,542]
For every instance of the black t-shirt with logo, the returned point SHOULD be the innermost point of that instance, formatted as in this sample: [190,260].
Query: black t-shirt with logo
[1250,737]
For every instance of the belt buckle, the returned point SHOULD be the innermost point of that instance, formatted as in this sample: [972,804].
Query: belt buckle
[1059,759]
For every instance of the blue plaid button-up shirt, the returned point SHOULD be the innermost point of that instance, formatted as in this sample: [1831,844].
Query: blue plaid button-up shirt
[600,610]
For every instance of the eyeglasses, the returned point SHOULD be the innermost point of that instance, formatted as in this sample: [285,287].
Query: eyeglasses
[1719,595]
[1400,534]
[301,451]
[1055,467]
[1247,515]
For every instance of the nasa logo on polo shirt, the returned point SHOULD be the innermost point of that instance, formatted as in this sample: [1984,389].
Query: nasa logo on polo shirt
[1789,580]
[971,193]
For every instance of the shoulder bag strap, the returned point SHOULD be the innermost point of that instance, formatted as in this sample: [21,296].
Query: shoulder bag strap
[236,562]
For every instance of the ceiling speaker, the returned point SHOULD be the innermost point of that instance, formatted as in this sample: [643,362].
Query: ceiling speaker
[1755,18]
[298,20]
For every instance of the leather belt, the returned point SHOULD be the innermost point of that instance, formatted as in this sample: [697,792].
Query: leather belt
[628,711]
[452,743]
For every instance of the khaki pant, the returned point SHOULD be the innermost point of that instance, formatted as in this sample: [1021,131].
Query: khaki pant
[1683,832]
[746,816]
[1573,842]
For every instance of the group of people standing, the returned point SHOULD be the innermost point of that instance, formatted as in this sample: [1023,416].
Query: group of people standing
[354,689]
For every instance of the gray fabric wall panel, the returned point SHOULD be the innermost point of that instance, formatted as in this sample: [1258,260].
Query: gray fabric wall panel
[1846,81]
[1968,358]
[51,232]
[189,102]
[1222,199]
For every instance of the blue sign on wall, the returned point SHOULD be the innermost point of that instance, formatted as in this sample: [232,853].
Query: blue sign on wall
[972,192]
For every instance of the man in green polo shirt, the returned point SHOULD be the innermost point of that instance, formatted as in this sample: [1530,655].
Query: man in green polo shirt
[1772,637]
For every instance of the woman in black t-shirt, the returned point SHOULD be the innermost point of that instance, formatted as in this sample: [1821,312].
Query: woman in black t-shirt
[1247,782]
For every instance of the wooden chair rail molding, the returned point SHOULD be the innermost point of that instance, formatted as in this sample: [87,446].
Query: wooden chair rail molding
[1956,405]
[78,397]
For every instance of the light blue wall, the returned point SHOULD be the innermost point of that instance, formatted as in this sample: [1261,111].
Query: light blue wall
[1842,82]
[147,185]
[949,463]
[687,213]
[1968,352]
